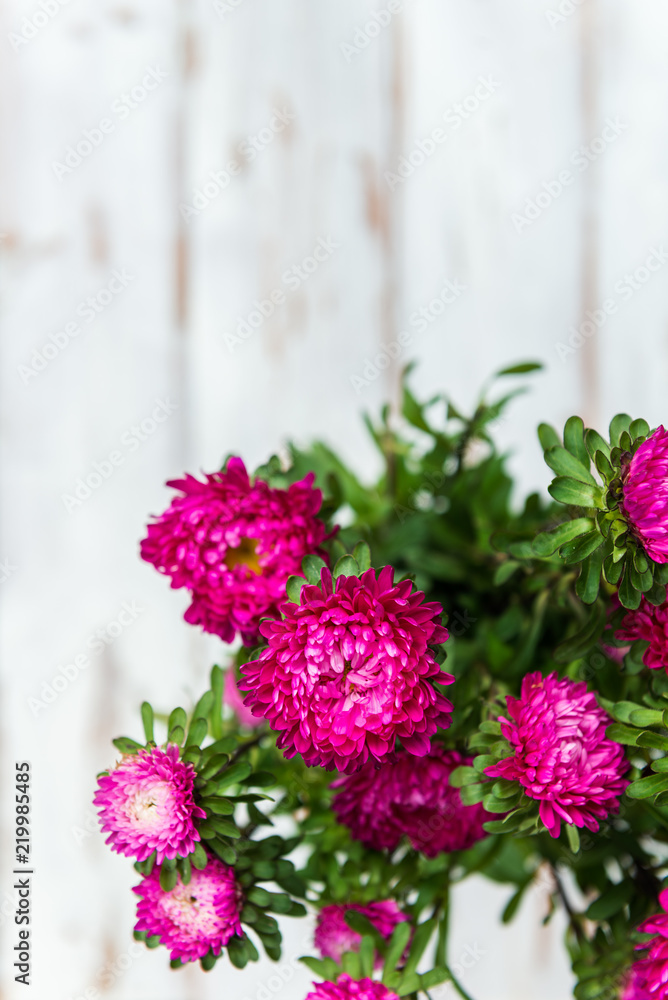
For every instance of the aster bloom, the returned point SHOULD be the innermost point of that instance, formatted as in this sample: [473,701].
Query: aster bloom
[346,988]
[146,804]
[232,697]
[645,495]
[562,756]
[349,670]
[651,624]
[333,936]
[649,976]
[191,919]
[233,544]
[412,798]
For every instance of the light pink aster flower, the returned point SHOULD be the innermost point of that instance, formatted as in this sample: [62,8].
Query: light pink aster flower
[233,544]
[651,624]
[235,701]
[410,798]
[349,670]
[333,936]
[649,976]
[645,489]
[191,919]
[346,988]
[146,804]
[562,756]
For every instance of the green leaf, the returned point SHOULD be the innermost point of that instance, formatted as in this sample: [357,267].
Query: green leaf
[367,955]
[421,938]
[324,967]
[611,901]
[362,553]
[294,588]
[472,794]
[235,774]
[589,581]
[396,947]
[573,836]
[312,567]
[567,490]
[198,858]
[126,745]
[463,775]
[177,718]
[646,787]
[577,645]
[638,428]
[564,463]
[346,566]
[434,977]
[548,437]
[147,720]
[629,596]
[237,953]
[168,878]
[521,369]
[259,896]
[653,741]
[216,715]
[622,734]
[580,548]
[643,717]
[350,961]
[505,571]
[574,440]
[595,442]
[197,730]
[512,905]
[177,735]
[547,542]
[620,423]
[204,706]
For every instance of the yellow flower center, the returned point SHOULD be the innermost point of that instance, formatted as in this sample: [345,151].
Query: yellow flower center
[245,555]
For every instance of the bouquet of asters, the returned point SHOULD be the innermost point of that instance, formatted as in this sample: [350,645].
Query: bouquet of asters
[420,681]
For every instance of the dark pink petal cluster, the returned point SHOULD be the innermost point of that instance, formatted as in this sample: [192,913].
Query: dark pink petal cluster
[649,976]
[651,624]
[233,544]
[191,919]
[645,500]
[411,798]
[346,988]
[562,756]
[146,804]
[333,936]
[349,671]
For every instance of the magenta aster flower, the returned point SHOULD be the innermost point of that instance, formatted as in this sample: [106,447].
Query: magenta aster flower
[235,701]
[346,988]
[191,919]
[349,670]
[333,936]
[146,804]
[413,798]
[562,756]
[649,976]
[645,501]
[233,544]
[651,624]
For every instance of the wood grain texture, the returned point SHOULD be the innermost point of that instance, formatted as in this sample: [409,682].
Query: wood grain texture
[192,279]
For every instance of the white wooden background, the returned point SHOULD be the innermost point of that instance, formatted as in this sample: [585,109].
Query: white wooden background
[163,337]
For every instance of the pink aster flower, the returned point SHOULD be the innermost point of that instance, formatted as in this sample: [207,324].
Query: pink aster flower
[413,798]
[562,756]
[649,976]
[191,919]
[233,544]
[235,701]
[651,624]
[333,936]
[645,501]
[146,804]
[349,670]
[346,988]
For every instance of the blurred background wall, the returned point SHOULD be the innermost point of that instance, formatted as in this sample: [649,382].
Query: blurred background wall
[219,222]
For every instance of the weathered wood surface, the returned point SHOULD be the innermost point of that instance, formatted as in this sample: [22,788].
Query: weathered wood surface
[530,95]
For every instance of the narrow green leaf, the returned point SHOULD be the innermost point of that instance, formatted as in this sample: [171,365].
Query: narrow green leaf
[197,730]
[564,463]
[362,553]
[573,836]
[643,717]
[574,440]
[204,706]
[520,369]
[567,490]
[595,442]
[464,775]
[547,542]
[198,858]
[638,428]
[216,715]
[548,437]
[589,581]
[126,745]
[147,720]
[396,947]
[580,548]
[646,787]
[622,734]
[619,423]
